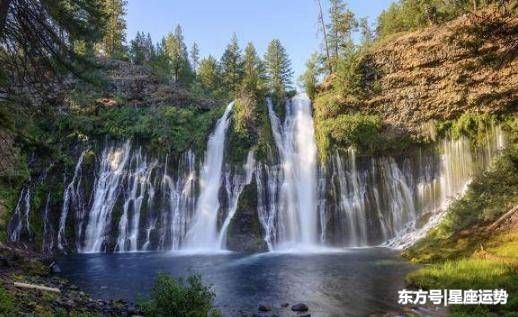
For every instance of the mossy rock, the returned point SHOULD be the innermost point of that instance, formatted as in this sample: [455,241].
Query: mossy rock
[245,231]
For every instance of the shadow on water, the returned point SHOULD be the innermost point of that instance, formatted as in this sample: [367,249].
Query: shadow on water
[356,282]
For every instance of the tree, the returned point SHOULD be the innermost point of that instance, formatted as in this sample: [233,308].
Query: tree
[232,66]
[160,61]
[141,50]
[208,75]
[136,49]
[37,42]
[310,77]
[324,33]
[342,24]
[115,32]
[278,69]
[195,57]
[366,31]
[176,51]
[254,72]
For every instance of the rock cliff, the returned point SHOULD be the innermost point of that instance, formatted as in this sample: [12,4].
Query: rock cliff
[441,72]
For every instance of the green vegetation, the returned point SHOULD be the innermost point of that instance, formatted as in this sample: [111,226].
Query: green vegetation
[347,130]
[181,298]
[112,43]
[477,126]
[278,69]
[165,128]
[408,15]
[495,267]
[464,254]
[7,306]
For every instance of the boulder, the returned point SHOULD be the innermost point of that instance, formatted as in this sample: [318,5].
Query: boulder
[264,308]
[300,307]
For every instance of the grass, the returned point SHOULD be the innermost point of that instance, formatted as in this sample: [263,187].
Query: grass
[493,268]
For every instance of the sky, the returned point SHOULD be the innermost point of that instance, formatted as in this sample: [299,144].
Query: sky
[211,23]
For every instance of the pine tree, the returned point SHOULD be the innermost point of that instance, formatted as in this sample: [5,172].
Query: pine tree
[160,61]
[136,50]
[342,24]
[176,51]
[115,31]
[310,77]
[253,70]
[39,42]
[149,48]
[366,31]
[195,57]
[141,49]
[208,75]
[278,69]
[232,66]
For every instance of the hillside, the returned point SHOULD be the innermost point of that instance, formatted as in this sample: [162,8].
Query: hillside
[438,73]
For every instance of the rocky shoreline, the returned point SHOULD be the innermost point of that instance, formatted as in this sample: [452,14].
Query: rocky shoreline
[23,273]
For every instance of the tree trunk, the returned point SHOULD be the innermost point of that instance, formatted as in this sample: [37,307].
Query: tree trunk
[321,18]
[4,8]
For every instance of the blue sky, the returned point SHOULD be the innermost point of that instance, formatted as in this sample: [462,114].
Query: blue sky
[211,23]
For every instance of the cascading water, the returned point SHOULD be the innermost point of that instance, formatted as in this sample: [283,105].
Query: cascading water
[113,162]
[293,189]
[458,164]
[48,233]
[181,200]
[138,189]
[19,223]
[381,200]
[138,203]
[202,234]
[71,197]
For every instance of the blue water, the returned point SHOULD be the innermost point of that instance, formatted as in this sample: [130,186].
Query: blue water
[356,282]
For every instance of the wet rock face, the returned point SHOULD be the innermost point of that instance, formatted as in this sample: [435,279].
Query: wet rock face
[244,234]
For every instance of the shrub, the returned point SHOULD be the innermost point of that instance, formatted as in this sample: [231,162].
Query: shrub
[179,298]
[407,15]
[358,130]
[166,128]
[7,307]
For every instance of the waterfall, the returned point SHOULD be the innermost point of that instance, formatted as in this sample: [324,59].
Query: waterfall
[48,234]
[180,198]
[458,164]
[106,191]
[71,196]
[19,223]
[203,232]
[395,201]
[137,202]
[139,185]
[295,212]
[234,187]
